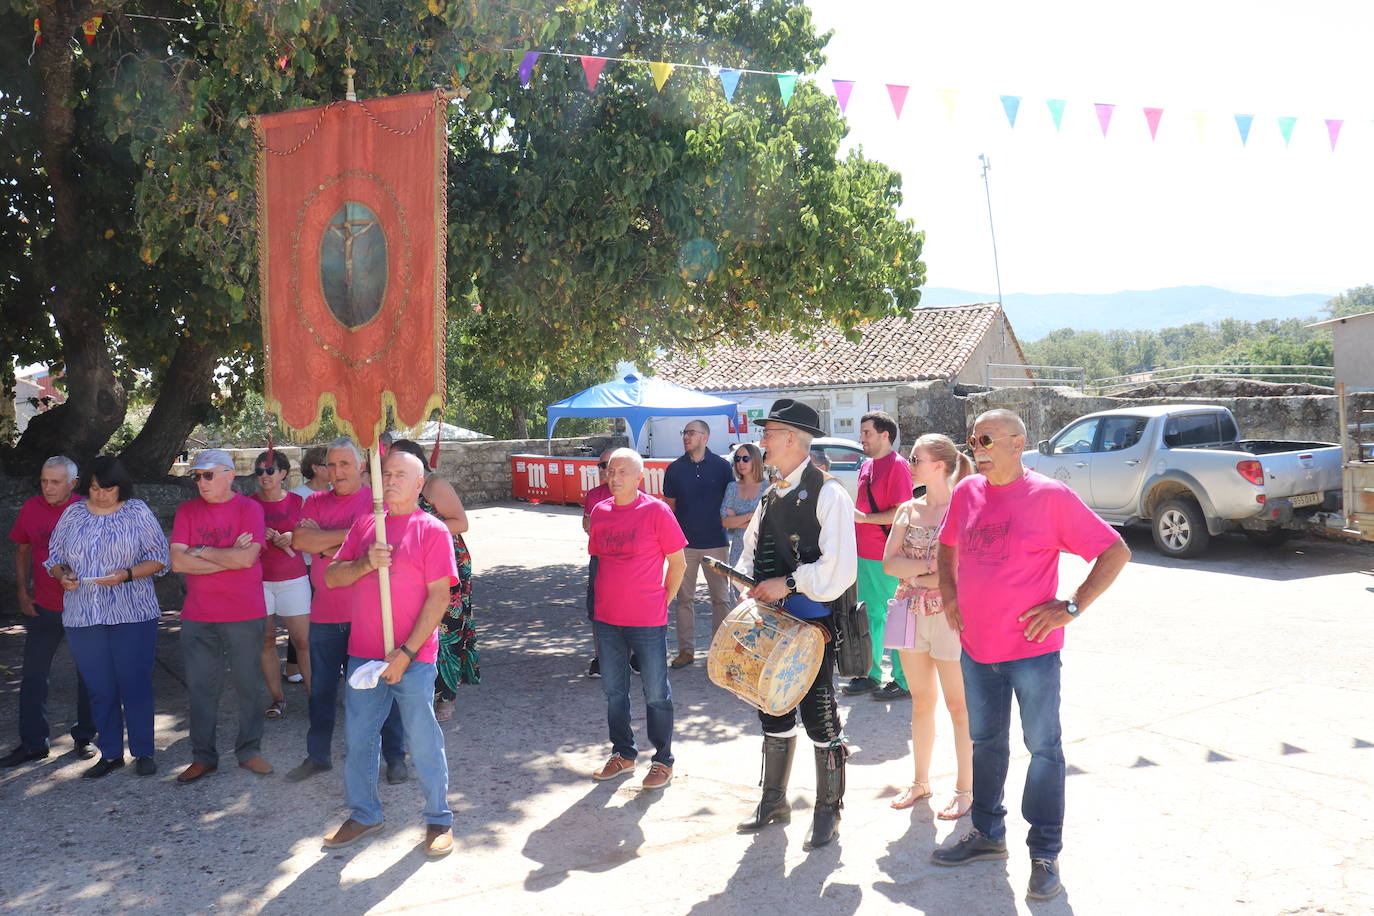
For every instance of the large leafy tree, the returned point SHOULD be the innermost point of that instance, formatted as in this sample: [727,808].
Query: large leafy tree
[590,226]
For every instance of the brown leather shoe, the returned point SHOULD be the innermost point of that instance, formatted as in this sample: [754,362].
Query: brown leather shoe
[349,832]
[194,772]
[438,841]
[682,659]
[659,776]
[256,765]
[613,768]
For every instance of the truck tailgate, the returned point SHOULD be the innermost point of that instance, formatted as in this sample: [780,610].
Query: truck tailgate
[1303,472]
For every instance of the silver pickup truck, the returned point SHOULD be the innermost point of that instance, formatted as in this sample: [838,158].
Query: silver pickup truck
[1186,470]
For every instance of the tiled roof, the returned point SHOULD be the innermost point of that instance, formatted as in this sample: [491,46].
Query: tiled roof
[935,343]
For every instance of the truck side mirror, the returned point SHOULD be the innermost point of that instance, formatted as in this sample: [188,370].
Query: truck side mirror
[1043,446]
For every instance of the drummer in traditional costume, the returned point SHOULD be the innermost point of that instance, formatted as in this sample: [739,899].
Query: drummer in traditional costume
[800,548]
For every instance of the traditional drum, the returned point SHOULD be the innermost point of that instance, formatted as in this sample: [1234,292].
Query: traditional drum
[765,656]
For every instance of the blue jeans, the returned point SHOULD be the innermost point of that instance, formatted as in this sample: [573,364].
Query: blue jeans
[364,711]
[328,653]
[117,662]
[988,690]
[43,634]
[614,644]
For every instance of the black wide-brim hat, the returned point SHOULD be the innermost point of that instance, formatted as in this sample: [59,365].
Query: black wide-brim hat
[795,413]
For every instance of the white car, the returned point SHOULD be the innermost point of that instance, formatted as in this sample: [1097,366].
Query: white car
[845,456]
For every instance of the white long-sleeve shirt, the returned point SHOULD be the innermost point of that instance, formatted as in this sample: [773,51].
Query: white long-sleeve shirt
[836,570]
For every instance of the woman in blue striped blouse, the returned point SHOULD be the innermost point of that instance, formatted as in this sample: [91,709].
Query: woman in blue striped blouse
[105,551]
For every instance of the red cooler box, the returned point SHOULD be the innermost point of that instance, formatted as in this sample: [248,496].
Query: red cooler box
[538,478]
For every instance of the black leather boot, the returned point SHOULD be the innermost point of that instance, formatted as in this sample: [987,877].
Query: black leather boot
[825,824]
[777,766]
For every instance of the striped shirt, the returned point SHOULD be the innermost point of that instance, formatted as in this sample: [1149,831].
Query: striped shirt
[98,545]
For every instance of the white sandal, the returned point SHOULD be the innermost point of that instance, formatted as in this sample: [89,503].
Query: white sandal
[958,805]
[914,793]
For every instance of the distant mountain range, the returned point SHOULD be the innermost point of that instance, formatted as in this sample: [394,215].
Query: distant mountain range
[1035,315]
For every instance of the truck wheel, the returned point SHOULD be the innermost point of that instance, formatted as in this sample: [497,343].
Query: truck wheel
[1179,528]
[1274,537]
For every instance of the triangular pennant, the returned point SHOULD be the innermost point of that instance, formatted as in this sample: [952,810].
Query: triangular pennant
[661,73]
[1286,748]
[527,66]
[1243,125]
[949,97]
[1011,104]
[787,82]
[1200,123]
[1152,119]
[1333,130]
[842,90]
[898,96]
[1104,115]
[591,68]
[1056,112]
[1286,128]
[91,26]
[729,81]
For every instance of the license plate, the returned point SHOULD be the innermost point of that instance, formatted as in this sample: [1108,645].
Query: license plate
[1306,499]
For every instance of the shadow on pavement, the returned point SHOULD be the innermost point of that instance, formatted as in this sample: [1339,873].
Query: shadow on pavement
[1236,555]
[608,835]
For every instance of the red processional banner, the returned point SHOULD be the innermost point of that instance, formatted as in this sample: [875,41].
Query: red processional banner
[352,230]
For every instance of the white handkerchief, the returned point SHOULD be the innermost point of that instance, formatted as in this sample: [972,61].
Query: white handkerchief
[367,675]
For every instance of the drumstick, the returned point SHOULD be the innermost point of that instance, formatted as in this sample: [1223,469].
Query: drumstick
[729,572]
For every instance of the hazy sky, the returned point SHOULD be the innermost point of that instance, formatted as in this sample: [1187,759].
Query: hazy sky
[1079,213]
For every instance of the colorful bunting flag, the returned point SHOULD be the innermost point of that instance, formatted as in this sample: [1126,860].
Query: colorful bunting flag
[1200,124]
[91,26]
[1056,111]
[1152,119]
[787,82]
[1243,125]
[729,81]
[948,97]
[527,67]
[1333,130]
[1286,128]
[1011,104]
[842,90]
[591,68]
[1104,115]
[661,73]
[898,96]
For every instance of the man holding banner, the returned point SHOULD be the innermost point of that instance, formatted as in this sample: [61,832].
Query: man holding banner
[418,552]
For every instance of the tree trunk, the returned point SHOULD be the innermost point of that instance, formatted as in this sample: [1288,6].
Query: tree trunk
[96,400]
[185,396]
[522,425]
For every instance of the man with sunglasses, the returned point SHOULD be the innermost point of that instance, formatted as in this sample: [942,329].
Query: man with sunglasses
[693,487]
[999,580]
[217,542]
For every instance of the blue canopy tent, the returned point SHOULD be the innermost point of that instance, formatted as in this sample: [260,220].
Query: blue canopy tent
[637,400]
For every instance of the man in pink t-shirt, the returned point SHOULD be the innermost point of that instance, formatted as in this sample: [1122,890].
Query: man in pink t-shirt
[326,519]
[217,539]
[42,610]
[884,484]
[594,497]
[638,546]
[419,556]
[999,580]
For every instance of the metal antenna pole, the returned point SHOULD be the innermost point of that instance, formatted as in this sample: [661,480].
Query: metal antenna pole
[997,271]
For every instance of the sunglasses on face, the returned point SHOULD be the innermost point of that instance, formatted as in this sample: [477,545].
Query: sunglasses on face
[258,472]
[198,476]
[603,464]
[743,458]
[985,441]
[691,432]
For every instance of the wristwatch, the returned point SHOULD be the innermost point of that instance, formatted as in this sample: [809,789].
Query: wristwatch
[791,584]
[1072,607]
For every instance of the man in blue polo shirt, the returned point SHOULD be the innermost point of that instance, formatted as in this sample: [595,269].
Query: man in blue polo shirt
[693,487]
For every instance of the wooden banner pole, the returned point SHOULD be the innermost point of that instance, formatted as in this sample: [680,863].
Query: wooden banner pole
[383,575]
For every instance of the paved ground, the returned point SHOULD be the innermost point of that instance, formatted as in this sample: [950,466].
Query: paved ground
[1219,722]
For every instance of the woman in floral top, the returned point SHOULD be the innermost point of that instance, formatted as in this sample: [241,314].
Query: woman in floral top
[917,626]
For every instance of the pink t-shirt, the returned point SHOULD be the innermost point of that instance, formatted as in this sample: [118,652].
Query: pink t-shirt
[422,552]
[34,527]
[231,594]
[1009,540]
[631,542]
[891,477]
[595,495]
[333,512]
[282,515]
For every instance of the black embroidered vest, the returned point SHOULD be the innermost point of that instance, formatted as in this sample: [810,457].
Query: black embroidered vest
[790,530]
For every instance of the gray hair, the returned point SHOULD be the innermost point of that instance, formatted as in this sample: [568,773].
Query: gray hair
[1004,417]
[62,461]
[635,458]
[343,442]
